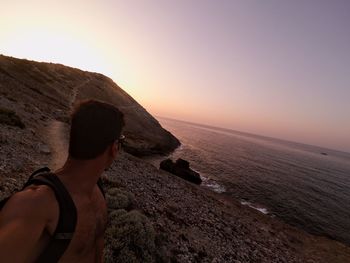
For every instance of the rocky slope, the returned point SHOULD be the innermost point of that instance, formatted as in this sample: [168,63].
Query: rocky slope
[193,224]
[50,90]
[154,216]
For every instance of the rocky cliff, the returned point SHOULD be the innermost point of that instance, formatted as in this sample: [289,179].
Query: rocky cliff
[49,90]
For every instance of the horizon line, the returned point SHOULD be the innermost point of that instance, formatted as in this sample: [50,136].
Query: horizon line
[252,134]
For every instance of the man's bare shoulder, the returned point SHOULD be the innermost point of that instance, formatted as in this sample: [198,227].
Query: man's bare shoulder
[26,221]
[37,201]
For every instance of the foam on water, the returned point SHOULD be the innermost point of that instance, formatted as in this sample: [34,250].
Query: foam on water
[259,208]
[213,185]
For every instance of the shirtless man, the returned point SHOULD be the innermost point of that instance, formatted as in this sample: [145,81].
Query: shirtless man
[29,219]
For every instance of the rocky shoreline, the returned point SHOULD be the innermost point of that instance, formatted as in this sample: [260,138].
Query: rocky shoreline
[198,225]
[154,216]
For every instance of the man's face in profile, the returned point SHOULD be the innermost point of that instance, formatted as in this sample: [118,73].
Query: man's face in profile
[112,153]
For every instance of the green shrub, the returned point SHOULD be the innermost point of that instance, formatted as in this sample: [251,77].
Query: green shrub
[108,182]
[119,199]
[117,202]
[131,238]
[9,117]
[115,214]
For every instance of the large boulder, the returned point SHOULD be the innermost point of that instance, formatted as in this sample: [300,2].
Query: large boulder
[182,169]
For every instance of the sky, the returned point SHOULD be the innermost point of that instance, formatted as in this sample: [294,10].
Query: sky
[276,68]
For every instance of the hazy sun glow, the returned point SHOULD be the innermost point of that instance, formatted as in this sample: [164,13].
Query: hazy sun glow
[265,67]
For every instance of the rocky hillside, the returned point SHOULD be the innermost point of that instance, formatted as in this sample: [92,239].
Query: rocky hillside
[49,90]
[153,216]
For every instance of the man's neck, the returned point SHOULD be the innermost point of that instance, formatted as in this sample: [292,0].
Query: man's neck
[80,176]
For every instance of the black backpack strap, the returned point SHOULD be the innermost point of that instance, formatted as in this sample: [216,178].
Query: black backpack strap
[3,202]
[41,170]
[67,218]
[37,172]
[46,170]
[100,185]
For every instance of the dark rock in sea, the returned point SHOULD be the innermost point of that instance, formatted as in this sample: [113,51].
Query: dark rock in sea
[167,165]
[183,163]
[182,169]
[323,153]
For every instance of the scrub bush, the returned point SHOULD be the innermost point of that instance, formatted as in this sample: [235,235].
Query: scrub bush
[130,238]
[119,199]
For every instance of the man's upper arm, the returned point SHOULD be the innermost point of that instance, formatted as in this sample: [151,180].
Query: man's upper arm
[99,249]
[103,224]
[22,222]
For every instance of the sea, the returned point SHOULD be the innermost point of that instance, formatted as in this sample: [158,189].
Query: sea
[305,186]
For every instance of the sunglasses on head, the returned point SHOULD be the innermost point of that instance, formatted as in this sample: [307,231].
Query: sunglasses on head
[120,141]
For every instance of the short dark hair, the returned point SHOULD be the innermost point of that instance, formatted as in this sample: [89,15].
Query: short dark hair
[94,126]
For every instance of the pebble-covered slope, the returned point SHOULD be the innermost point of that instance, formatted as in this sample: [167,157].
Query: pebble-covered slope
[197,225]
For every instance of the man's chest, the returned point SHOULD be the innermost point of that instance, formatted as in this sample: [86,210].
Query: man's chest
[91,224]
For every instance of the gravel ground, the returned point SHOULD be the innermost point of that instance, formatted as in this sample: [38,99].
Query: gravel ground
[197,225]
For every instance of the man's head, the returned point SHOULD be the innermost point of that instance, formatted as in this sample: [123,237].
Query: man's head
[95,128]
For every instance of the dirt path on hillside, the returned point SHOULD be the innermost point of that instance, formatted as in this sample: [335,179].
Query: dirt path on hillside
[76,92]
[57,134]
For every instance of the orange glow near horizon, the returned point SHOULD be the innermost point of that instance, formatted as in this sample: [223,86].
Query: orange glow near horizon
[227,64]
[44,34]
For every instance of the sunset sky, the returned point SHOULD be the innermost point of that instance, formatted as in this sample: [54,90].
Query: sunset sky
[273,67]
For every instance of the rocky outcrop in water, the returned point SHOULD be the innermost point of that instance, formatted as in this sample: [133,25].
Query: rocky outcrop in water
[182,169]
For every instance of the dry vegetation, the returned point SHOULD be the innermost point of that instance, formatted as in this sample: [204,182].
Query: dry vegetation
[130,236]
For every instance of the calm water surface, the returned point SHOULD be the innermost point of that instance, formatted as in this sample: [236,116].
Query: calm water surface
[292,181]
